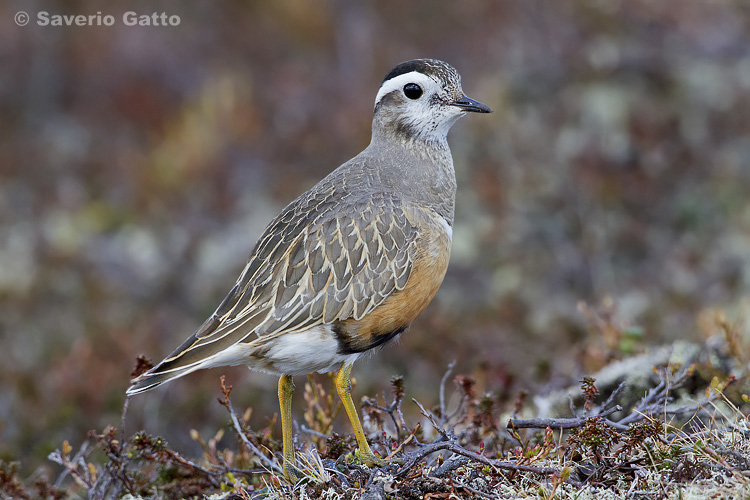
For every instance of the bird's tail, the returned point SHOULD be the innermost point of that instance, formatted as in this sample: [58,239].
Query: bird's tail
[154,378]
[180,364]
[207,347]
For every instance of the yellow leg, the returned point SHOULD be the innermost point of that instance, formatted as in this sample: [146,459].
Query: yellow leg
[344,388]
[286,389]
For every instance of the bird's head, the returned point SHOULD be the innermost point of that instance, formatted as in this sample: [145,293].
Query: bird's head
[422,99]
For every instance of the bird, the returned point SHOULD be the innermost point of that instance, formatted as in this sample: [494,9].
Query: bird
[349,264]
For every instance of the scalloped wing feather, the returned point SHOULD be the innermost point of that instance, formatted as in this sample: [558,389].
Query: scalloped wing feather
[312,266]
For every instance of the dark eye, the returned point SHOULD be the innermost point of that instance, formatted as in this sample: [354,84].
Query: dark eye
[412,91]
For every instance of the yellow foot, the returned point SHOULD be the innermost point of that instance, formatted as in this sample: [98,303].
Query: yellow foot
[290,475]
[371,460]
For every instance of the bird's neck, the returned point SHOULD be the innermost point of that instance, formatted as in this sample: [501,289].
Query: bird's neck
[421,170]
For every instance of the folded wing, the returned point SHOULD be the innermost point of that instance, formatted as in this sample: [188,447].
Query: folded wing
[316,263]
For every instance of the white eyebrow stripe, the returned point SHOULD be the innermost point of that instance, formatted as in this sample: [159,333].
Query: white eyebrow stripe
[399,81]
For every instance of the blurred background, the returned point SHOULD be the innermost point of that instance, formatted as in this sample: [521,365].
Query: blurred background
[138,165]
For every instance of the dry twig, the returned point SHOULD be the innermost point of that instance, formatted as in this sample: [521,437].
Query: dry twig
[556,423]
